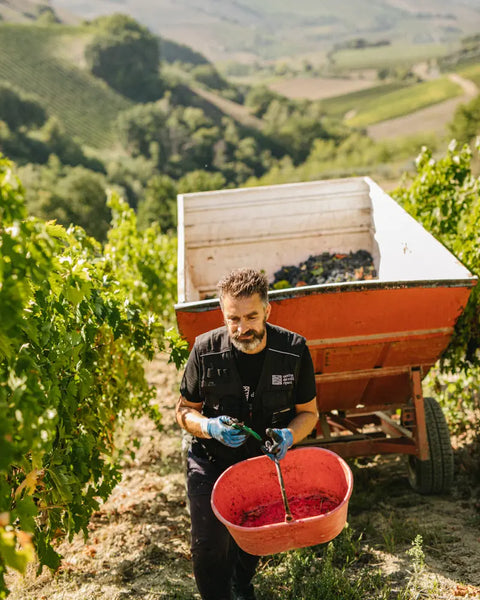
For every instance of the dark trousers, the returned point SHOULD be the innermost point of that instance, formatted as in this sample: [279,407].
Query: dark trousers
[217,560]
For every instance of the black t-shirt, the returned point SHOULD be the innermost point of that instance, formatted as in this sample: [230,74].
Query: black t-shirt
[249,367]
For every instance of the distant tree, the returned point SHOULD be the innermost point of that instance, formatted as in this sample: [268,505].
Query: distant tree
[239,156]
[277,113]
[46,15]
[466,121]
[282,69]
[296,127]
[159,204]
[383,73]
[298,134]
[81,194]
[209,76]
[125,55]
[18,110]
[235,69]
[70,195]
[22,148]
[192,139]
[61,144]
[130,176]
[177,139]
[140,127]
[307,66]
[200,181]
[258,99]
[36,146]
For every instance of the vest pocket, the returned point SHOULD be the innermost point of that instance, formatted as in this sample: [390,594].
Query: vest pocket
[281,418]
[219,400]
[278,408]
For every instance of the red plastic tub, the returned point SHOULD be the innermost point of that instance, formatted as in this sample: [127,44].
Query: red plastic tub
[252,487]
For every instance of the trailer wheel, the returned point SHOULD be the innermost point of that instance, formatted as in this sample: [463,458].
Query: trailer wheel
[435,475]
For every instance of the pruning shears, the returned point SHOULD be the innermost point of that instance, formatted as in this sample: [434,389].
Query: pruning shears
[236,424]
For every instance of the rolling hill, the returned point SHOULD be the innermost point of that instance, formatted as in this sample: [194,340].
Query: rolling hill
[45,62]
[248,30]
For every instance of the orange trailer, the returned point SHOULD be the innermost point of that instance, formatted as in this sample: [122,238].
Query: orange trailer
[372,342]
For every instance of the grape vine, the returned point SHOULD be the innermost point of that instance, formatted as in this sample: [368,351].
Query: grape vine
[444,196]
[78,322]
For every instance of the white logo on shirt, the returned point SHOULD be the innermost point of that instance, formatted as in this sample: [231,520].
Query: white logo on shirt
[282,379]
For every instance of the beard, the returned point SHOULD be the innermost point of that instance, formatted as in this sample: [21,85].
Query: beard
[252,339]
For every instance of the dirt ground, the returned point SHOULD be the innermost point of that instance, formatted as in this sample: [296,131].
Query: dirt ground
[314,88]
[139,540]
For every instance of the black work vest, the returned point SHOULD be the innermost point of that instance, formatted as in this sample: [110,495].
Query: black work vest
[222,392]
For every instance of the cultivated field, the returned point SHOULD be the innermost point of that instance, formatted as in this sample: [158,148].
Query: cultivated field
[432,119]
[319,88]
[392,109]
[386,56]
[403,102]
[36,60]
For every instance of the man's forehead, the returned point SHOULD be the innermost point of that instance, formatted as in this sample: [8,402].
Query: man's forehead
[242,304]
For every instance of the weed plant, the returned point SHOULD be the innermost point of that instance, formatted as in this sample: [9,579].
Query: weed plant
[349,567]
[459,396]
[341,569]
[418,586]
[325,572]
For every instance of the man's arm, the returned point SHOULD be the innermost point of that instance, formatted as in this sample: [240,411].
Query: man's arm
[304,421]
[190,418]
[188,413]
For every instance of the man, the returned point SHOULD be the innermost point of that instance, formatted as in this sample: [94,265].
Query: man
[262,376]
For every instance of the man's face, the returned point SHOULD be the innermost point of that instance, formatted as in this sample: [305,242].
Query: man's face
[245,319]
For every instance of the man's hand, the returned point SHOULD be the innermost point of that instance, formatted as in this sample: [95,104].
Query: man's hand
[220,429]
[282,440]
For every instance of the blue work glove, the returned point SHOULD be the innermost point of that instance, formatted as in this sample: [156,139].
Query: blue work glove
[282,440]
[220,429]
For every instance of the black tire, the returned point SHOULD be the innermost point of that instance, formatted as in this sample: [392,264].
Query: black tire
[435,475]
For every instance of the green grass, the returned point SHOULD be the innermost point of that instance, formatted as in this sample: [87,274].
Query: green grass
[337,106]
[345,568]
[405,101]
[471,72]
[325,572]
[42,61]
[386,56]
